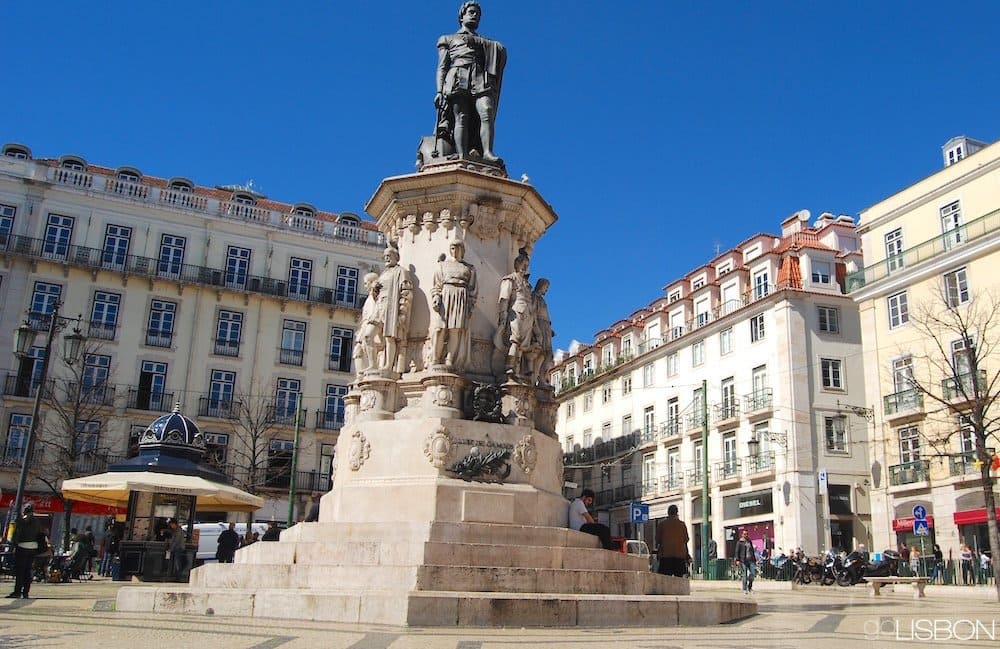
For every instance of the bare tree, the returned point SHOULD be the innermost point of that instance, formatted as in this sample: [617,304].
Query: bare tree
[70,432]
[961,337]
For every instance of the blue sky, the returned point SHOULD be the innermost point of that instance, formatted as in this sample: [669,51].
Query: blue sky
[657,130]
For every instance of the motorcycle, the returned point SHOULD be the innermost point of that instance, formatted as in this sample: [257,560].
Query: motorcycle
[833,566]
[856,568]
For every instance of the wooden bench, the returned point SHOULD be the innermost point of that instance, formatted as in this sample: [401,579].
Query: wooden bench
[918,584]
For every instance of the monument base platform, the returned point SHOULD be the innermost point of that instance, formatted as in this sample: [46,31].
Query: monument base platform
[437,574]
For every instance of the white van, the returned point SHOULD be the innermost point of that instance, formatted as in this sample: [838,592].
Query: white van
[208,538]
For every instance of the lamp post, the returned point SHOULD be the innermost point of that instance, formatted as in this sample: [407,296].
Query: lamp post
[24,340]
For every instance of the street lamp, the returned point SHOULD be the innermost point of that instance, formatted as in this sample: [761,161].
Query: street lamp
[753,445]
[24,340]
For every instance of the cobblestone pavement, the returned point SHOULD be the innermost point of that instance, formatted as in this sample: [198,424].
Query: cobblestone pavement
[82,615]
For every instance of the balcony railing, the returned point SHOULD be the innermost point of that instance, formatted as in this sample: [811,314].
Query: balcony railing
[670,427]
[19,386]
[13,455]
[963,387]
[904,400]
[158,338]
[757,401]
[982,226]
[288,356]
[94,462]
[694,477]
[152,400]
[695,420]
[227,348]
[965,463]
[284,414]
[101,330]
[277,476]
[224,209]
[673,482]
[219,408]
[726,411]
[908,473]
[96,258]
[626,493]
[761,463]
[329,420]
[102,394]
[727,470]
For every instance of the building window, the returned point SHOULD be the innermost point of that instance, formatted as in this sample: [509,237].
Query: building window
[341,343]
[832,377]
[94,379]
[220,395]
[116,243]
[160,331]
[588,365]
[171,259]
[627,384]
[228,331]
[760,285]
[570,409]
[569,444]
[279,460]
[909,444]
[237,267]
[333,407]
[608,355]
[299,277]
[605,431]
[653,336]
[588,437]
[672,364]
[104,316]
[88,433]
[898,311]
[347,285]
[894,250]
[821,272]
[58,232]
[17,439]
[649,420]
[701,317]
[606,393]
[698,283]
[835,429]
[647,375]
[728,398]
[758,378]
[286,397]
[730,467]
[6,222]
[293,342]
[626,424]
[829,319]
[698,353]
[674,296]
[726,341]
[673,416]
[588,402]
[216,449]
[757,328]
[951,224]
[723,269]
[956,287]
[627,346]
[150,394]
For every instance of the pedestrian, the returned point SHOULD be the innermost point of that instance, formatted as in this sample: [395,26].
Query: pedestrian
[177,550]
[915,561]
[746,561]
[984,567]
[581,520]
[313,514]
[672,545]
[938,570]
[965,559]
[272,532]
[25,542]
[228,543]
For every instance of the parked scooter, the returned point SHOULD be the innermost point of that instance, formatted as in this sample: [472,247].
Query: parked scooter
[833,566]
[853,571]
[856,568]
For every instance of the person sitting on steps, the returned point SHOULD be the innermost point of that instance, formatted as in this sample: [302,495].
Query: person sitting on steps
[580,519]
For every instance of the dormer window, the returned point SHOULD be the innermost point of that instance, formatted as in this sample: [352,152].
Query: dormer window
[75,164]
[16,151]
[676,295]
[244,199]
[128,175]
[302,209]
[349,219]
[182,186]
[698,283]
[724,268]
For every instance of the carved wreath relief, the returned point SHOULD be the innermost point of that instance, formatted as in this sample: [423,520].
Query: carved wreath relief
[359,451]
[437,448]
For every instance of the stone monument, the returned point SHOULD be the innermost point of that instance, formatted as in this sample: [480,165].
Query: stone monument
[447,505]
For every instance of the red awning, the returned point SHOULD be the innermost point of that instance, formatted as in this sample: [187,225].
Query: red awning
[973,516]
[906,524]
[51,505]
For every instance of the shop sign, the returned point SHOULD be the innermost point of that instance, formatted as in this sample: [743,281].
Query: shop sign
[751,504]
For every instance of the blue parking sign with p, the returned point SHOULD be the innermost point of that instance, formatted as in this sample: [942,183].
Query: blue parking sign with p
[639,513]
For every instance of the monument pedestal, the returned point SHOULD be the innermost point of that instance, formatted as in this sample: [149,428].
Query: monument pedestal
[436,518]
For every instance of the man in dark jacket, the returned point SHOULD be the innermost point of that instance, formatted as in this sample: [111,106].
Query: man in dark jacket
[272,532]
[672,543]
[25,542]
[229,541]
[746,559]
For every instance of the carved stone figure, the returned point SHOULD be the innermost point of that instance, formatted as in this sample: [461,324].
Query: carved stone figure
[438,447]
[359,451]
[516,319]
[542,335]
[370,339]
[453,296]
[396,293]
[469,75]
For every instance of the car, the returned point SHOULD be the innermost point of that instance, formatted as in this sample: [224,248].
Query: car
[632,546]
[208,538]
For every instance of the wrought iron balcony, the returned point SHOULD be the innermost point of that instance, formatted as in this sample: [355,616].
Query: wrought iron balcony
[219,408]
[13,455]
[95,462]
[670,427]
[101,330]
[760,463]
[908,473]
[727,470]
[229,348]
[159,338]
[726,411]
[694,477]
[965,463]
[22,386]
[283,413]
[673,482]
[289,356]
[903,401]
[329,420]
[151,400]
[758,401]
[695,420]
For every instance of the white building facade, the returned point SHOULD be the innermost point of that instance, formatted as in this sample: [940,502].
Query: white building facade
[215,298]
[757,355]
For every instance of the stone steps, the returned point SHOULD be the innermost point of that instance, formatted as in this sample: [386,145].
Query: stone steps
[436,578]
[444,532]
[441,608]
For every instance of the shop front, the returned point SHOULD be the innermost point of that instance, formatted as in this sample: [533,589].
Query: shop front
[753,512]
[50,510]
